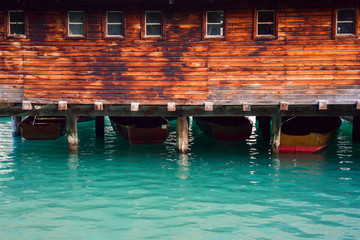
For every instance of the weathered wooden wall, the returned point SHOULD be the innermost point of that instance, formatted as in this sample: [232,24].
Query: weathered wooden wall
[303,65]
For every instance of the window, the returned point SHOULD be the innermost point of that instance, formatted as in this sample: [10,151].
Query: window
[114,24]
[265,25]
[153,24]
[76,24]
[16,19]
[345,21]
[214,23]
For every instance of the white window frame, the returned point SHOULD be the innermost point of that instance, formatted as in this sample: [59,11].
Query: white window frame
[9,23]
[257,23]
[221,24]
[122,23]
[76,23]
[353,22]
[154,24]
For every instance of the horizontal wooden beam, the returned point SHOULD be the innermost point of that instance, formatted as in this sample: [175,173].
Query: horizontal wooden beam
[181,110]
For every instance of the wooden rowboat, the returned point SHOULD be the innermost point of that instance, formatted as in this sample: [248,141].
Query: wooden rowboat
[141,130]
[307,134]
[225,128]
[42,128]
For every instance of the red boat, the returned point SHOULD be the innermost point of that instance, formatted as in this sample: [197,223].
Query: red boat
[225,128]
[42,128]
[141,130]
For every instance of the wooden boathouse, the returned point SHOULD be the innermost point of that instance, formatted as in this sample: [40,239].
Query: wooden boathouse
[179,58]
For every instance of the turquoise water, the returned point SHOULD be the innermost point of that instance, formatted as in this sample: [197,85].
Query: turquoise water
[222,190]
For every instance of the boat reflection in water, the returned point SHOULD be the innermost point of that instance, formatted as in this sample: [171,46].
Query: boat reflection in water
[307,134]
[225,128]
[141,130]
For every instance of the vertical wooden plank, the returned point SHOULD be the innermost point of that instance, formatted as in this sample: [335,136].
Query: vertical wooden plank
[265,128]
[182,135]
[356,129]
[275,134]
[15,126]
[71,133]
[99,126]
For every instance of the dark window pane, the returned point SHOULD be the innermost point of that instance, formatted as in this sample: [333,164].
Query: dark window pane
[153,30]
[115,29]
[76,29]
[76,17]
[265,29]
[346,15]
[17,17]
[214,30]
[215,17]
[153,17]
[266,16]
[17,29]
[114,17]
[345,28]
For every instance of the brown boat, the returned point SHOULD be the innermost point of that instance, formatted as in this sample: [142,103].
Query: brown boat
[225,128]
[141,130]
[307,134]
[42,128]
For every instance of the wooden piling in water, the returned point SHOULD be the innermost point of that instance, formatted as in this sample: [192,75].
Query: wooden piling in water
[182,135]
[356,129]
[99,126]
[15,126]
[71,133]
[275,134]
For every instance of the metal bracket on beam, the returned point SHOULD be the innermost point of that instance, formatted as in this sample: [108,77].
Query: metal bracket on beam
[134,107]
[322,105]
[171,106]
[284,106]
[209,106]
[98,106]
[246,107]
[26,105]
[62,105]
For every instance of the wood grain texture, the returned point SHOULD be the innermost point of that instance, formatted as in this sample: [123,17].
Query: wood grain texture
[304,63]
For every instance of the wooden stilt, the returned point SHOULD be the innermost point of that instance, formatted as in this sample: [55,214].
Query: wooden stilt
[15,126]
[72,134]
[182,135]
[275,134]
[356,129]
[99,126]
[265,128]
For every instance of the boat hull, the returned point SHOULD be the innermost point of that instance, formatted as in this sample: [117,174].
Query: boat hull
[225,128]
[131,130]
[42,128]
[312,141]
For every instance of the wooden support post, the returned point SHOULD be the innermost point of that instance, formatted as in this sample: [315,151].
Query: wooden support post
[265,128]
[275,134]
[182,134]
[356,129]
[71,133]
[15,126]
[99,126]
